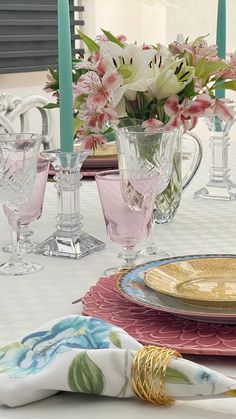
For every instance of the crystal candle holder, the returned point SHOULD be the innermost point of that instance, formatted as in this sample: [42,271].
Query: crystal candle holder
[219,186]
[68,240]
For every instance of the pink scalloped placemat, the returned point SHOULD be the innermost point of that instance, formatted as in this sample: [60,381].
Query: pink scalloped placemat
[152,327]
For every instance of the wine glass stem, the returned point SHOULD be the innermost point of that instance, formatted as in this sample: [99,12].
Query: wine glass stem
[128,257]
[14,224]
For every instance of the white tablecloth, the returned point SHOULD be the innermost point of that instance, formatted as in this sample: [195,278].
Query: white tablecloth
[200,226]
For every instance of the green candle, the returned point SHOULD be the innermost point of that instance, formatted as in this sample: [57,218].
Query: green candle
[221,37]
[65,76]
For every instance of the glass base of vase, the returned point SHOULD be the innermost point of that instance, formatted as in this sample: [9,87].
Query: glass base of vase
[71,247]
[225,191]
[22,268]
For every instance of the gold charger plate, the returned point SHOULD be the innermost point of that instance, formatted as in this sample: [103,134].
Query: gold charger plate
[200,281]
[106,150]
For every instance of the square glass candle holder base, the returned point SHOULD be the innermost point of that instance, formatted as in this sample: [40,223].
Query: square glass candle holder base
[68,240]
[71,246]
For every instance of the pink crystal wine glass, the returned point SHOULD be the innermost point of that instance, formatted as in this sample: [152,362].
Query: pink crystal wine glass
[31,210]
[127,199]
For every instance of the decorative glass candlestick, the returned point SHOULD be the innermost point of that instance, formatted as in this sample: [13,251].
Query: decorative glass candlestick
[219,185]
[68,240]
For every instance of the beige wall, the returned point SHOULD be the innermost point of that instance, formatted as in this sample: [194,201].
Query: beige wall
[140,20]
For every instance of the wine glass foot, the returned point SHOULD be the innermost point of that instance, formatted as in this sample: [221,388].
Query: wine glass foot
[21,268]
[23,248]
[153,251]
[111,271]
[117,270]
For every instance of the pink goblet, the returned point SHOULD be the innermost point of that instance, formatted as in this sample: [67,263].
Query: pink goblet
[127,199]
[31,210]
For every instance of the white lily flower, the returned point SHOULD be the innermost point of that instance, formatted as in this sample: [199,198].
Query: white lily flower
[170,79]
[131,63]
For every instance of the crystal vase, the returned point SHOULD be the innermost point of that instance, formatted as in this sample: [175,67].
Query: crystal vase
[69,240]
[219,186]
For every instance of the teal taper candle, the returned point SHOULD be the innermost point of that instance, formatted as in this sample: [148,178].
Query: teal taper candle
[221,37]
[65,76]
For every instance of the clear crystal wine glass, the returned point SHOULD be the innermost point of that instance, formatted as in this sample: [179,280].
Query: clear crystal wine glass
[127,199]
[156,149]
[31,210]
[18,163]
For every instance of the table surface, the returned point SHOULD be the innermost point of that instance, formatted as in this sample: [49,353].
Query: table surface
[200,226]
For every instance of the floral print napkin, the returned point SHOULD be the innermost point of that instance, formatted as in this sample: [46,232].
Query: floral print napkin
[88,355]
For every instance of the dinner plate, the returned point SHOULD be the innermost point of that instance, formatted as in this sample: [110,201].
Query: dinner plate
[199,281]
[131,285]
[155,327]
[103,157]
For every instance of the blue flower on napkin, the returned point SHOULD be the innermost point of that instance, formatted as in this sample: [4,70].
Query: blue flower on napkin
[36,350]
[205,376]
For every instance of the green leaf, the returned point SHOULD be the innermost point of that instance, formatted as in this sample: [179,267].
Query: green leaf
[115,339]
[112,38]
[204,69]
[13,345]
[174,376]
[3,351]
[231,85]
[92,46]
[51,106]
[85,376]
[54,85]
[78,100]
[77,123]
[199,38]
[54,73]
[188,91]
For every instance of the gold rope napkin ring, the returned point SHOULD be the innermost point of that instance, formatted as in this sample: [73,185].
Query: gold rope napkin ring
[148,371]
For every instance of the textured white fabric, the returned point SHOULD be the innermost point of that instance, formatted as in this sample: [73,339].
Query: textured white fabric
[88,355]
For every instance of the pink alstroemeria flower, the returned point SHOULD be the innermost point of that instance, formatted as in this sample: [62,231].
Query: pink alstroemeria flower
[96,63]
[96,108]
[188,112]
[221,108]
[122,38]
[151,125]
[204,105]
[88,139]
[91,83]
[197,49]
[199,106]
[230,71]
[93,140]
[145,46]
[95,117]
[177,113]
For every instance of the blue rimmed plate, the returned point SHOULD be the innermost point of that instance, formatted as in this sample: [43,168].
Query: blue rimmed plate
[131,285]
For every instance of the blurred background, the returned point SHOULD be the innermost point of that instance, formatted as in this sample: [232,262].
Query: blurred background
[141,21]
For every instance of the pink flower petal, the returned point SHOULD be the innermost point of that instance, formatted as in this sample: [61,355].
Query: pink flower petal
[89,83]
[152,123]
[171,105]
[96,102]
[222,110]
[111,80]
[93,140]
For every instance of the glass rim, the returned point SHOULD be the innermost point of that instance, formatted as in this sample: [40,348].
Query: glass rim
[154,130]
[108,174]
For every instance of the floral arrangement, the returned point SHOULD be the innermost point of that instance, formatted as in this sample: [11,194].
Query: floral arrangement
[163,86]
